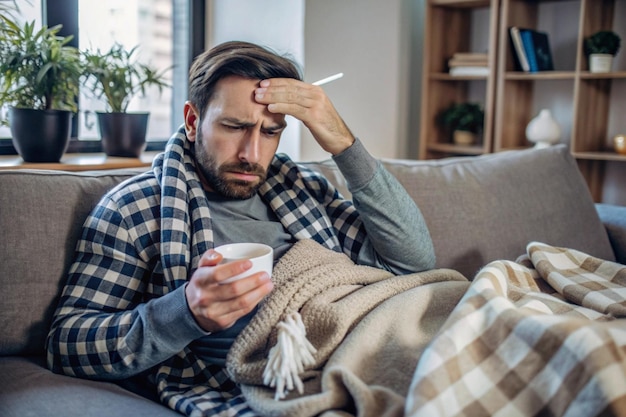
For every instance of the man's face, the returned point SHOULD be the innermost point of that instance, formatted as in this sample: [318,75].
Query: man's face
[235,140]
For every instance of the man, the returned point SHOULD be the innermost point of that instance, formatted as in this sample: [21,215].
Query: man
[144,296]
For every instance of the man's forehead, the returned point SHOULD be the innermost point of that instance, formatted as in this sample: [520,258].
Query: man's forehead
[233,101]
[234,86]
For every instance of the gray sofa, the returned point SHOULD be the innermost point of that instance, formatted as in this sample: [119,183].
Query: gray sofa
[478,210]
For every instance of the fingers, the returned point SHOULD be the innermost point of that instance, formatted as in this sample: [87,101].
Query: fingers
[210,258]
[291,97]
[213,272]
[216,305]
[311,106]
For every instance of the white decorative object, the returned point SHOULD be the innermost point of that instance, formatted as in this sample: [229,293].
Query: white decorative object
[543,130]
[599,63]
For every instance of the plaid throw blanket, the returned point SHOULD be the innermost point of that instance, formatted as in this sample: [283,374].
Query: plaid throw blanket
[541,336]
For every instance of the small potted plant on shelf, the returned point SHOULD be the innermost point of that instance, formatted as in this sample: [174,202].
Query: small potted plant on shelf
[39,83]
[464,121]
[601,47]
[118,76]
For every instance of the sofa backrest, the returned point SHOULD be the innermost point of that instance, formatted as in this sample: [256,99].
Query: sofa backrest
[479,209]
[41,214]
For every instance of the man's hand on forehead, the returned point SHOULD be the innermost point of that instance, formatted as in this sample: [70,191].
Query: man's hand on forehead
[309,104]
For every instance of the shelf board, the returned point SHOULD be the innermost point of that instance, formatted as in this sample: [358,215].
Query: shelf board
[586,75]
[461,3]
[543,75]
[600,156]
[456,149]
[444,76]
[562,75]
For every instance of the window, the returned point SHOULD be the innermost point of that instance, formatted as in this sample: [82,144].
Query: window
[29,11]
[168,33]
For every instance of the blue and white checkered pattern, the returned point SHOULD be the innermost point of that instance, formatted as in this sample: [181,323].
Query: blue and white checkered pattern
[142,241]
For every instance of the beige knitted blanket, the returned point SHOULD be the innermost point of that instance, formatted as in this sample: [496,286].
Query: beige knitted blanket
[369,328]
[544,336]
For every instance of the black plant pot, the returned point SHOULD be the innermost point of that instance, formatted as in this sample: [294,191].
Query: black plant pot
[40,135]
[123,134]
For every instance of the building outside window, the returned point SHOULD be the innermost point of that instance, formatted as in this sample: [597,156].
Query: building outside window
[163,32]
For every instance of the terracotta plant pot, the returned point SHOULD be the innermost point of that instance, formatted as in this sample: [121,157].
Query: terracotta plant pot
[463,137]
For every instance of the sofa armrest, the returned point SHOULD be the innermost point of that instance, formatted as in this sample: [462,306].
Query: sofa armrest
[614,219]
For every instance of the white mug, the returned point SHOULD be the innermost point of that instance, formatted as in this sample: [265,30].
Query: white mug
[261,256]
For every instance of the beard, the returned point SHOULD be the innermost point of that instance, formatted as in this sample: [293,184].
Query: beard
[215,175]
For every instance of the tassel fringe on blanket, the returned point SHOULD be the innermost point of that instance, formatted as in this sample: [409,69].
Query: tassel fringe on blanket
[288,358]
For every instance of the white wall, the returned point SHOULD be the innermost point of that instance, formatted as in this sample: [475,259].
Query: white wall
[277,24]
[368,41]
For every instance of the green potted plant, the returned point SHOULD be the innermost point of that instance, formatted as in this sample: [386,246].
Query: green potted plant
[601,47]
[40,84]
[464,121]
[118,76]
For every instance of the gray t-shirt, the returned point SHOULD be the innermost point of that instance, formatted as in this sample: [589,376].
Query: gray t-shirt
[236,221]
[248,220]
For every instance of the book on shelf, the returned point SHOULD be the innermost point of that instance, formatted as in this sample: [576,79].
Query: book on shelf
[482,71]
[458,63]
[537,48]
[468,63]
[471,56]
[519,55]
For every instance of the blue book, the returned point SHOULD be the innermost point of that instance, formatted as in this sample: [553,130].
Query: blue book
[527,41]
[537,50]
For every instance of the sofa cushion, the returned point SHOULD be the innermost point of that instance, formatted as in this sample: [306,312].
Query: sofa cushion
[479,209]
[490,207]
[41,217]
[614,219]
[27,388]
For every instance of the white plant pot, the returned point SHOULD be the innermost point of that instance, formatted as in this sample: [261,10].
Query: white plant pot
[599,63]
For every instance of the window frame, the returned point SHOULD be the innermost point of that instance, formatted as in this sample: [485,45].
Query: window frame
[65,12]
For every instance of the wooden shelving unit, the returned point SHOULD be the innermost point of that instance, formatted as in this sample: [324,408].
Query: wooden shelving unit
[583,103]
[581,100]
[448,25]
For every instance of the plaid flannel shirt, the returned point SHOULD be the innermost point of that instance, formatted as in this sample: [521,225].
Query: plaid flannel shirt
[142,241]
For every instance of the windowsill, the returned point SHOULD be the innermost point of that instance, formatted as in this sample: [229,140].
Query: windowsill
[80,146]
[80,162]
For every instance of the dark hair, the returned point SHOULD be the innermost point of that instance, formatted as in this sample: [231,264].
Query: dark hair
[243,59]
